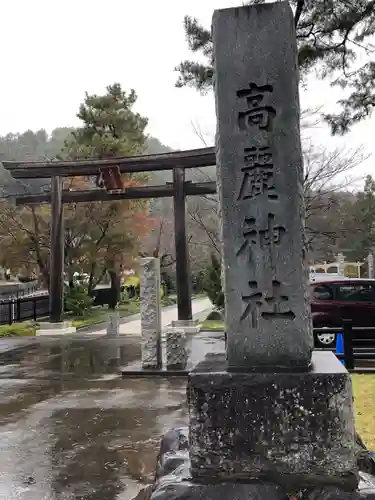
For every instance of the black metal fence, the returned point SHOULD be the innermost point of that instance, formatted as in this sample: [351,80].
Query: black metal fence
[22,305]
[21,309]
[19,290]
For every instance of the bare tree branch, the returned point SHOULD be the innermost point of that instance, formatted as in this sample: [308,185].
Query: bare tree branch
[299,9]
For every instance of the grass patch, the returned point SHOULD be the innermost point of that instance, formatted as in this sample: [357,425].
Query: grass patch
[94,316]
[25,329]
[364,402]
[90,318]
[212,325]
[98,315]
[129,308]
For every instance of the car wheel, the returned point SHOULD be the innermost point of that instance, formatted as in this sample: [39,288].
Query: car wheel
[325,340]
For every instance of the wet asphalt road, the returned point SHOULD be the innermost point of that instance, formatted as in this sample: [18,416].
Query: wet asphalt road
[72,428]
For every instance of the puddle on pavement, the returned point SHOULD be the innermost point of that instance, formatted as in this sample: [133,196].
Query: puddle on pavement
[72,428]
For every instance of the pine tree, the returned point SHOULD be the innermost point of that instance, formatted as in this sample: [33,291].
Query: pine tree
[331,35]
[110,128]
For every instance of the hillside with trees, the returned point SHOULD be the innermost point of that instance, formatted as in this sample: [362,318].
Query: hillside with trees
[333,213]
[38,145]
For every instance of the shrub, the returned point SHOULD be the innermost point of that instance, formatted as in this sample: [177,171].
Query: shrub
[198,282]
[212,283]
[215,316]
[124,296]
[132,286]
[167,281]
[77,300]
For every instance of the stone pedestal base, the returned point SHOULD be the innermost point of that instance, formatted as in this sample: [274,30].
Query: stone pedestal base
[63,328]
[172,488]
[176,353]
[173,480]
[189,326]
[288,428]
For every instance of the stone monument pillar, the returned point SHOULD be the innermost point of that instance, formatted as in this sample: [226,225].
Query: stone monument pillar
[269,410]
[150,313]
[260,169]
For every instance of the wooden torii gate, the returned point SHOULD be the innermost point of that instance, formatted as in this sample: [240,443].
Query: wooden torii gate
[108,173]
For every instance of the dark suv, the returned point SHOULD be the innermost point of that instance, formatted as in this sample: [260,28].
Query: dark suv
[339,299]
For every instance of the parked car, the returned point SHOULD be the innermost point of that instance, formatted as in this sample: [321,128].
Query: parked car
[339,299]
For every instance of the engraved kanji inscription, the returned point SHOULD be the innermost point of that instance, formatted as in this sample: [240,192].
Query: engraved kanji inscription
[258,114]
[269,238]
[253,302]
[260,304]
[275,304]
[272,233]
[257,174]
[265,239]
[250,238]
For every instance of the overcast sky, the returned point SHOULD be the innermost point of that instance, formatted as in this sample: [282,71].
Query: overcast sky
[55,51]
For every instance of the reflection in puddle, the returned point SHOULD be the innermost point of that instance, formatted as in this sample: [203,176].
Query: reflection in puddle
[72,428]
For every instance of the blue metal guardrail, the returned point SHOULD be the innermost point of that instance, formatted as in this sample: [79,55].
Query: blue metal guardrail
[358,345]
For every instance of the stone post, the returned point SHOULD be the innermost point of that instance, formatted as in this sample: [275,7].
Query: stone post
[150,313]
[176,352]
[269,410]
[341,264]
[114,321]
[370,264]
